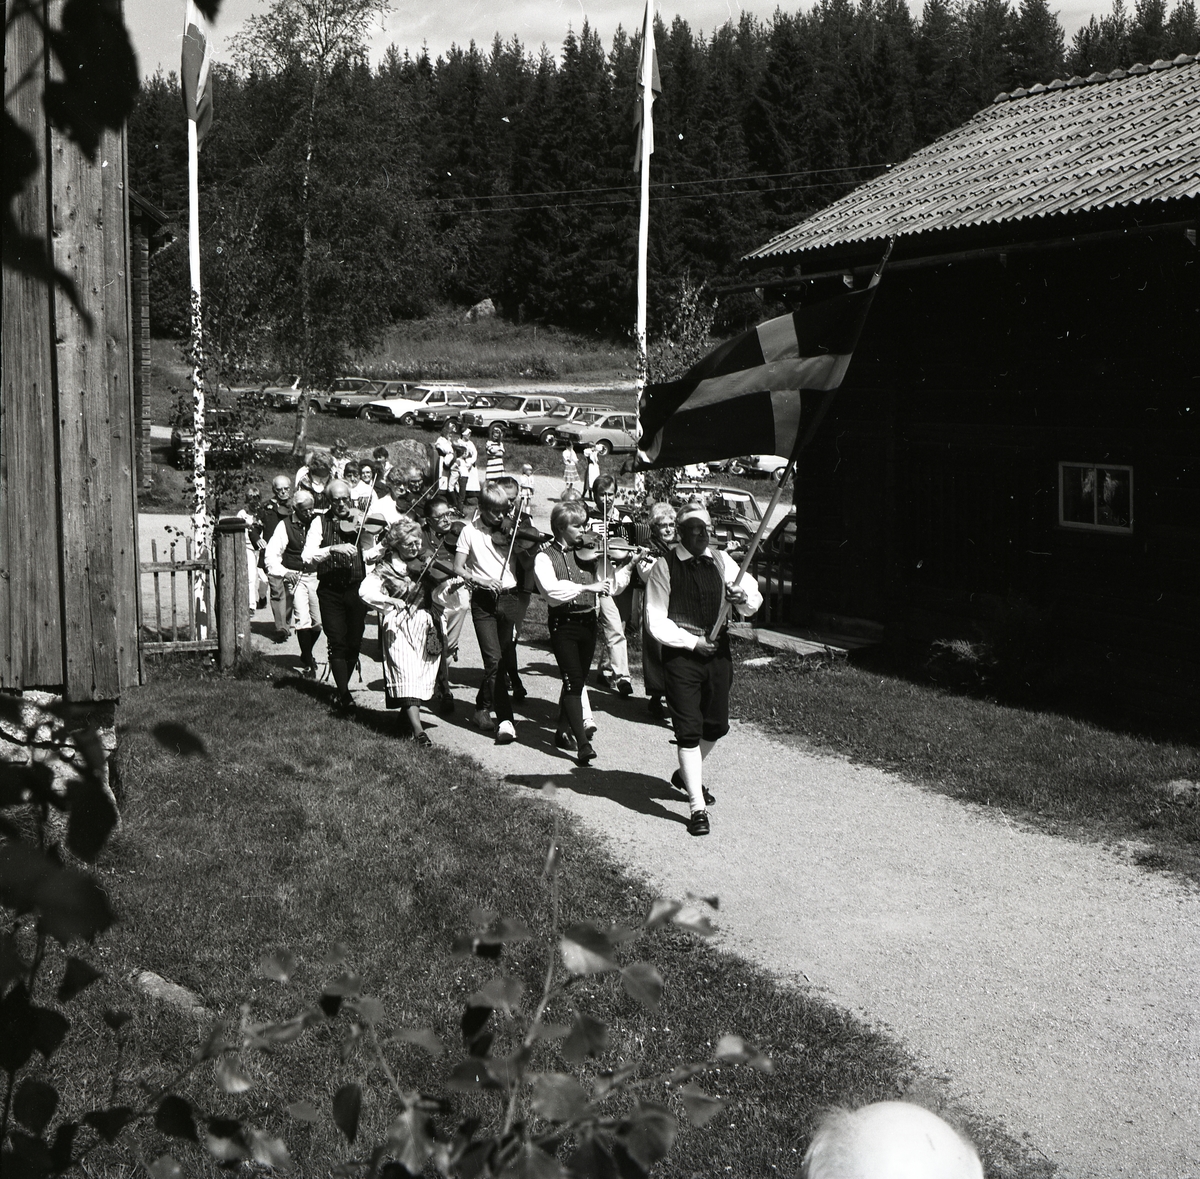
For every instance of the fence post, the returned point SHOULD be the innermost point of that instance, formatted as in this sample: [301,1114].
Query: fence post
[233,592]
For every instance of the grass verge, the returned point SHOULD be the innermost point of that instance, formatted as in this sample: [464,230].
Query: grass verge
[1063,774]
[300,830]
[448,346]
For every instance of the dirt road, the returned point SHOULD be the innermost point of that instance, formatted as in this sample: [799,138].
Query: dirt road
[1053,984]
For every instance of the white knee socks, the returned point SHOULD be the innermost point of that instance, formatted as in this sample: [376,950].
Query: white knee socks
[691,762]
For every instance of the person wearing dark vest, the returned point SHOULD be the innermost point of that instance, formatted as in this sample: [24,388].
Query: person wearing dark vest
[684,595]
[336,547]
[572,594]
[283,561]
[277,508]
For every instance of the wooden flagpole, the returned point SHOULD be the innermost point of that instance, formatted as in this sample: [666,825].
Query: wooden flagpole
[644,227]
[199,437]
[818,418]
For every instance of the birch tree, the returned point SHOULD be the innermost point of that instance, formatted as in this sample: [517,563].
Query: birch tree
[313,36]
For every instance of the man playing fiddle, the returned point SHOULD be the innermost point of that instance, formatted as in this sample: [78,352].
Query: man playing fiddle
[284,563]
[524,545]
[482,560]
[337,546]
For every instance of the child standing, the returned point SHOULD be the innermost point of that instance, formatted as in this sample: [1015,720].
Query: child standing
[495,459]
[525,481]
[570,468]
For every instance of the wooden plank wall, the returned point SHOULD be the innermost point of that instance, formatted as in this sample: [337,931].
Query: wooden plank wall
[30,610]
[69,539]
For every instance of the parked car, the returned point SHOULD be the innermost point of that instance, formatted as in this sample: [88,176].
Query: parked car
[608,430]
[286,396]
[498,419]
[770,465]
[227,446]
[402,411]
[772,564]
[735,513]
[434,417]
[352,405]
[541,427]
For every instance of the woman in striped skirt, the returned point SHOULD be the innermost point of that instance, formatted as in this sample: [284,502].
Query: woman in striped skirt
[398,587]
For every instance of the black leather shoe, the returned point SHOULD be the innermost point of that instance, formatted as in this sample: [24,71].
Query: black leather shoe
[655,705]
[585,755]
[624,687]
[677,782]
[564,740]
[698,823]
[519,693]
[446,706]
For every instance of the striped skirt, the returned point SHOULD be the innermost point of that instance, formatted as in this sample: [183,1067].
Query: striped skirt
[408,668]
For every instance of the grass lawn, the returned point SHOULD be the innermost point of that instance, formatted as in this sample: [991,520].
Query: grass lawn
[299,830]
[1063,774]
[445,346]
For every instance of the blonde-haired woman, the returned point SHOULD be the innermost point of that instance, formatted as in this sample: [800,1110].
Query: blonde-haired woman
[398,587]
[662,536]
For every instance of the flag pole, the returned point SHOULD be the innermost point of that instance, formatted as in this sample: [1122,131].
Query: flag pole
[647,146]
[814,425]
[199,478]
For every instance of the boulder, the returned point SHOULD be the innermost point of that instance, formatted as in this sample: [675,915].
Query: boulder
[483,310]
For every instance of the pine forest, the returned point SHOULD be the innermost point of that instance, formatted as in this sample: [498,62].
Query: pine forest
[338,197]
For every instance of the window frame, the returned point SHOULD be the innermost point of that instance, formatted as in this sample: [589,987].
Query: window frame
[1081,526]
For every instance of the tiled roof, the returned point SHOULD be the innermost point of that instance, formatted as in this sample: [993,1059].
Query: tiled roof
[1123,138]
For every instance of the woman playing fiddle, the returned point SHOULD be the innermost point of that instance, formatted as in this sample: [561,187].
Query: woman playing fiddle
[398,587]
[571,593]
[338,547]
[450,601]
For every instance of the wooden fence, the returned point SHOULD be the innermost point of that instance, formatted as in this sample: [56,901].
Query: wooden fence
[180,584]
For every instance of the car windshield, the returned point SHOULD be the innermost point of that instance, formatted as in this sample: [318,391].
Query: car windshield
[507,403]
[590,417]
[561,411]
[345,385]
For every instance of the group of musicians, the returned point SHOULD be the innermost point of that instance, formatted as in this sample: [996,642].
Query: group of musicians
[424,570]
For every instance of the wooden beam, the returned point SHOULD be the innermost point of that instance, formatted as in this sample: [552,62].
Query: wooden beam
[984,253]
[84,425]
[31,640]
[118,333]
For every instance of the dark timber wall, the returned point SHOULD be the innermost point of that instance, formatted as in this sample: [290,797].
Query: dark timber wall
[68,523]
[930,500]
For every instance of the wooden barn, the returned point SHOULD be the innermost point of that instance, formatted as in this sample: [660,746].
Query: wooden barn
[68,516]
[1014,458]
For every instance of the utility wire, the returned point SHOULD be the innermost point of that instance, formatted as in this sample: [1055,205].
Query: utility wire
[664,183]
[619,201]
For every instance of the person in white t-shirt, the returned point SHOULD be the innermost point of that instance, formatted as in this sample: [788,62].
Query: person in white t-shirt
[482,561]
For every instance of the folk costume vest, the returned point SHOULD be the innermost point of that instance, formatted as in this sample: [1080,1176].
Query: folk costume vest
[566,568]
[340,572]
[296,536]
[697,591]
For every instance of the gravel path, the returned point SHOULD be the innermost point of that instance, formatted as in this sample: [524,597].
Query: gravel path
[1054,985]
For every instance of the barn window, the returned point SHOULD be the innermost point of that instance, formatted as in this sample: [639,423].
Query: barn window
[1094,496]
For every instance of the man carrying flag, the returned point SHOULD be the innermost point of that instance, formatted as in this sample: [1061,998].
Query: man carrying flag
[685,595]
[742,398]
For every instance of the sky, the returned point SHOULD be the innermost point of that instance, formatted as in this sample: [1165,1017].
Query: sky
[156,26]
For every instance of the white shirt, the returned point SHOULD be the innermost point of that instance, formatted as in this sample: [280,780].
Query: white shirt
[482,558]
[556,590]
[658,597]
